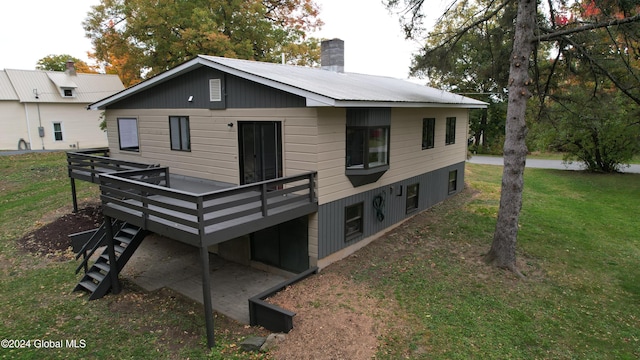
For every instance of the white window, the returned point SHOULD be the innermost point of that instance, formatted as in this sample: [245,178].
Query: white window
[57,131]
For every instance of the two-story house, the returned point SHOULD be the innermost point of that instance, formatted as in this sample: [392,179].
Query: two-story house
[46,110]
[313,163]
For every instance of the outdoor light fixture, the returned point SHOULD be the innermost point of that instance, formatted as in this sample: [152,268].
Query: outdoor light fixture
[230,125]
[190,98]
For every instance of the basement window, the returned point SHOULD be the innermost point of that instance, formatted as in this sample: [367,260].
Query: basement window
[353,221]
[412,198]
[453,181]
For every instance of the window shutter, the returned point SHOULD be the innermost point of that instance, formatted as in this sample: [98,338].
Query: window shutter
[215,90]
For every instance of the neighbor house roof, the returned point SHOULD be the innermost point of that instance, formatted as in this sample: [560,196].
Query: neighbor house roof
[319,87]
[50,85]
[7,92]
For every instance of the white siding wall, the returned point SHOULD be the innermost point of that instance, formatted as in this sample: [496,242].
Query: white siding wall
[80,127]
[406,159]
[14,126]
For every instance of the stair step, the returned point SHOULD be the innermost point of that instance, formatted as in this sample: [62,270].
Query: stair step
[97,280]
[129,230]
[98,276]
[102,266]
[122,239]
[89,285]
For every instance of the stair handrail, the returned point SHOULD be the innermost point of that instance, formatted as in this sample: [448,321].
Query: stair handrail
[99,243]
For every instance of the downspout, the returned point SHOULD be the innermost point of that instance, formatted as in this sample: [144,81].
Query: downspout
[26,114]
[35,91]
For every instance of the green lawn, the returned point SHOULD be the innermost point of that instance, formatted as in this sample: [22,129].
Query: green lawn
[35,292]
[579,246]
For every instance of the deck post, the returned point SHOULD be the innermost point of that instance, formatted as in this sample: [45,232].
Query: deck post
[113,263]
[264,199]
[206,295]
[74,196]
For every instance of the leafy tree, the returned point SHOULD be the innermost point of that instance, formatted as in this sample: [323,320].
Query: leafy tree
[476,64]
[141,38]
[563,23]
[59,63]
[600,130]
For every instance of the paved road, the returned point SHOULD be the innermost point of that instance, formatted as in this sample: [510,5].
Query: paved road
[543,164]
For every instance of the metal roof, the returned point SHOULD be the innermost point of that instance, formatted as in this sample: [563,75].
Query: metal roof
[6,89]
[319,87]
[87,88]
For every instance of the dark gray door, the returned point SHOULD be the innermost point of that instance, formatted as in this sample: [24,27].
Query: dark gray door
[285,246]
[260,147]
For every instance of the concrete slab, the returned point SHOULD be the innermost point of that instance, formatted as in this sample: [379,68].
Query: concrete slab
[163,262]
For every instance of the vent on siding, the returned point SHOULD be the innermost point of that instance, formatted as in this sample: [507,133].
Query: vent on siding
[215,90]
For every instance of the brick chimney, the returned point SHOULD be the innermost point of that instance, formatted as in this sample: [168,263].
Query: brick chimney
[332,55]
[71,68]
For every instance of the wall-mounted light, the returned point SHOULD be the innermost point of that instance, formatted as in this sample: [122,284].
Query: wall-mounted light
[190,98]
[230,124]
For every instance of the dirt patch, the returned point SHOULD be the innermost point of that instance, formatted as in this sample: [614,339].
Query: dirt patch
[51,238]
[337,318]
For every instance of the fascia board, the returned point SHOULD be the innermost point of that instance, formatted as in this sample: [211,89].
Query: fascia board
[391,104]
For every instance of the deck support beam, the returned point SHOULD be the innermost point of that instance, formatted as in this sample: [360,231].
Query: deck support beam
[113,264]
[206,296]
[74,196]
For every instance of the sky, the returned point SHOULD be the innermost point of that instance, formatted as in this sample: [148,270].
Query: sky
[374,44]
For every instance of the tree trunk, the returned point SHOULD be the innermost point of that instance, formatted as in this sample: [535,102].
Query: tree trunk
[503,248]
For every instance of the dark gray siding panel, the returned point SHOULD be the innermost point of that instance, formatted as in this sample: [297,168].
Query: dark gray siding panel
[237,93]
[174,93]
[434,188]
[369,117]
[246,94]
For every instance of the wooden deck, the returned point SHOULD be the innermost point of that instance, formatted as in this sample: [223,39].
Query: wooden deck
[142,195]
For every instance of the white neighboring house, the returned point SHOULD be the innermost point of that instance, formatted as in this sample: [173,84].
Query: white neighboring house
[47,110]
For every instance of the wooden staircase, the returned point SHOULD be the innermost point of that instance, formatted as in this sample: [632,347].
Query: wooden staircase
[97,278]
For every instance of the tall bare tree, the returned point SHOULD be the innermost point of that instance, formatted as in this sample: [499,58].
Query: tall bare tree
[567,24]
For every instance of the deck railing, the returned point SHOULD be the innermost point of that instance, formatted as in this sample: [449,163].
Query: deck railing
[86,165]
[141,197]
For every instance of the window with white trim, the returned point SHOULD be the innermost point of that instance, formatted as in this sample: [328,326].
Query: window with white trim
[57,131]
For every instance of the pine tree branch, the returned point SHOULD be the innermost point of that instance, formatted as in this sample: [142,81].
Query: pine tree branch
[602,68]
[550,36]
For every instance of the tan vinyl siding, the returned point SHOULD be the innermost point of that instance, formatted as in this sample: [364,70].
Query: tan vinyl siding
[407,158]
[214,145]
